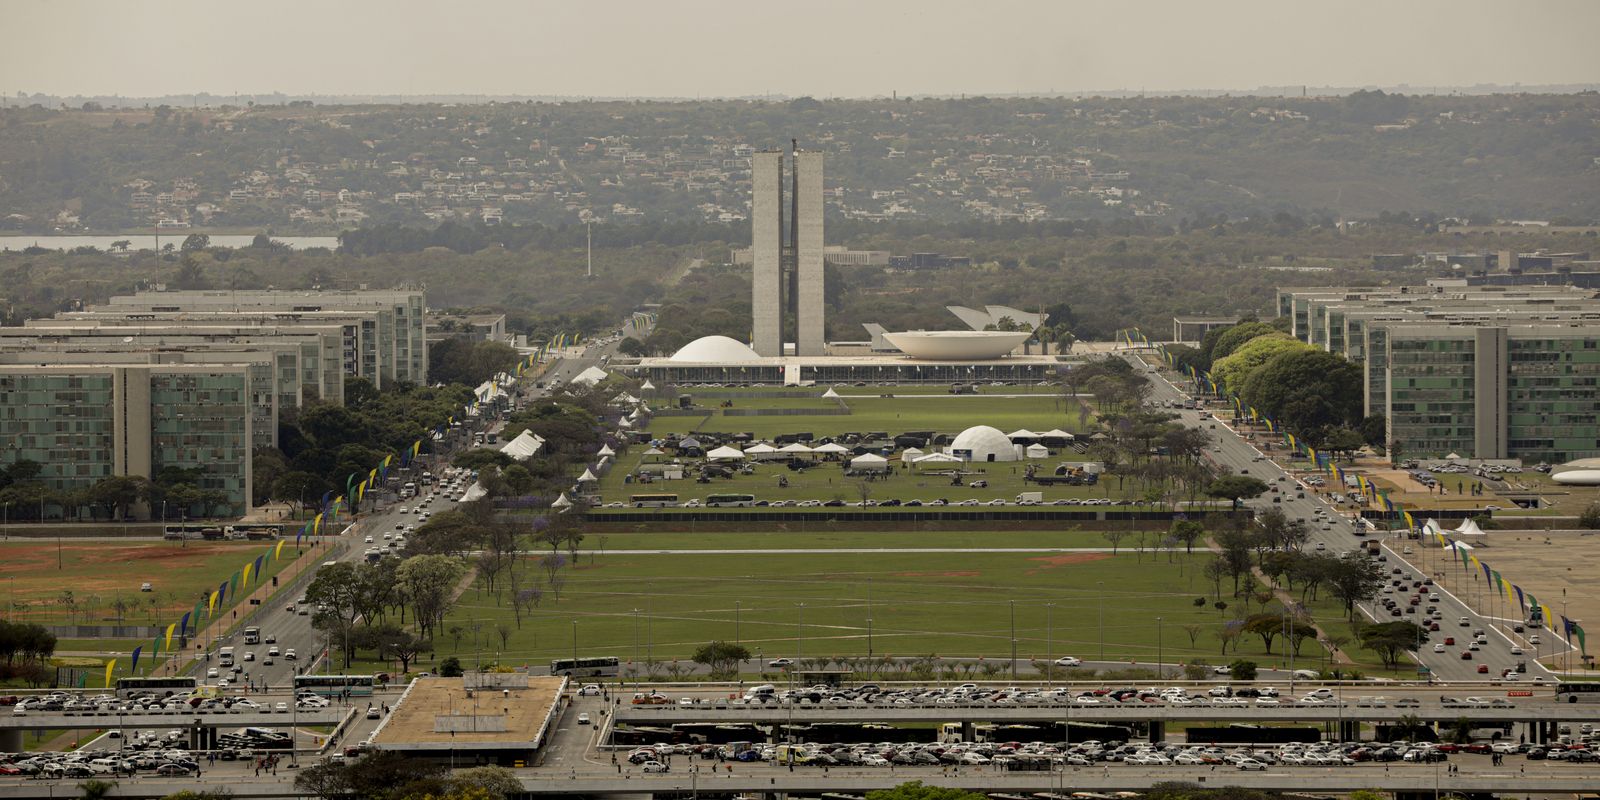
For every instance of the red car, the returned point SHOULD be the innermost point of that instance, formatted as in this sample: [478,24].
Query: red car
[1449,640]
[1466,655]
[1483,669]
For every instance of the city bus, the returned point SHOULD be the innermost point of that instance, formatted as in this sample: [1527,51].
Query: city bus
[335,685]
[1578,692]
[154,687]
[653,500]
[730,500]
[595,667]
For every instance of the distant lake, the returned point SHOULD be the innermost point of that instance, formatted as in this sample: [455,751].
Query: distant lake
[145,241]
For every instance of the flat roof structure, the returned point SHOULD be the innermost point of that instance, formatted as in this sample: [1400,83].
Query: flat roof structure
[506,714]
[897,367]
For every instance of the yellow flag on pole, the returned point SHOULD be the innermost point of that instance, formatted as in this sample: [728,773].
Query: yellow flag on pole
[109,667]
[277,552]
[170,629]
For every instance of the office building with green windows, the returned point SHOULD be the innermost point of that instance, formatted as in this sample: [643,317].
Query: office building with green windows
[1480,372]
[83,422]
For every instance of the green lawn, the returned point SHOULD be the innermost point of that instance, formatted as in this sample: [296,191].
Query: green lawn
[781,540]
[953,605]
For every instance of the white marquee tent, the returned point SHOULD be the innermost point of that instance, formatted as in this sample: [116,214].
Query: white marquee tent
[725,453]
[870,461]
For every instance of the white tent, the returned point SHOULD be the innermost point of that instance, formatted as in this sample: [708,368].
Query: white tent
[647,386]
[1431,526]
[1458,546]
[1022,433]
[760,448]
[910,454]
[1038,451]
[587,476]
[830,394]
[624,399]
[655,451]
[870,461]
[1056,433]
[622,423]
[795,448]
[561,502]
[523,447]
[830,449]
[935,459]
[1469,528]
[605,450]
[725,453]
[591,376]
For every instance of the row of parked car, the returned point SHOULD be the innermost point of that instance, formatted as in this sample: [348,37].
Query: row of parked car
[179,703]
[1048,755]
[971,694]
[90,764]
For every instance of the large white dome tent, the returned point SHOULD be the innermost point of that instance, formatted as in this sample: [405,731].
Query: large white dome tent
[984,443]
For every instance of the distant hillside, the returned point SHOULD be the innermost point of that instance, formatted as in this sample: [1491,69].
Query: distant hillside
[313,169]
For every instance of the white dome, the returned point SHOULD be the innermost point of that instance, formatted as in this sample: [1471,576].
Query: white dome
[715,350]
[983,443]
[957,345]
[1577,477]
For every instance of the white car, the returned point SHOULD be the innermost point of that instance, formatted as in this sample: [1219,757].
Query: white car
[1250,763]
[369,539]
[1069,661]
[583,719]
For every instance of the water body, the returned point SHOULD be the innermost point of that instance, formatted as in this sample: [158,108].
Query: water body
[147,241]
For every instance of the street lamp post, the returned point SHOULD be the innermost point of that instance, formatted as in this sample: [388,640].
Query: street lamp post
[1049,649]
[574,644]
[1160,671]
[1102,592]
[736,639]
[1013,605]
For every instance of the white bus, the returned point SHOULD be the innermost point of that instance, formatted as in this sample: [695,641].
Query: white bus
[1578,692]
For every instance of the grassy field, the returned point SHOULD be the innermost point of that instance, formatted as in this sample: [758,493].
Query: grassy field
[98,574]
[782,540]
[952,605]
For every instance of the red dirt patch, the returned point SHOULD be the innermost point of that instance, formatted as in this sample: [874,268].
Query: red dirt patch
[1065,560]
[961,573]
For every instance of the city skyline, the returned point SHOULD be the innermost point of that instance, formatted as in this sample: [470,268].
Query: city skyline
[715,48]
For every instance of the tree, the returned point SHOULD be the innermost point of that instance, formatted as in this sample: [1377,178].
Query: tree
[1306,391]
[450,668]
[1188,532]
[723,658]
[1354,578]
[429,582]
[499,782]
[917,790]
[1236,488]
[392,641]
[1267,626]
[1115,537]
[1390,640]
[1590,518]
[1242,670]
[195,242]
[337,589]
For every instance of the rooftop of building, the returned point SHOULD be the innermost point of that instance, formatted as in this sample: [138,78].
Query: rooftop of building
[505,711]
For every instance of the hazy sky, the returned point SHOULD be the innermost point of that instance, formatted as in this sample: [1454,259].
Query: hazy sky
[824,48]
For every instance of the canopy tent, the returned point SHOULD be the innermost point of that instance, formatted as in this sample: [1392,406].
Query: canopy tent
[830,449]
[1038,451]
[830,394]
[1022,433]
[587,476]
[760,448]
[646,386]
[591,376]
[688,442]
[936,459]
[910,454]
[561,502]
[624,399]
[655,451]
[525,446]
[795,448]
[605,450]
[1057,433]
[1469,528]
[622,423]
[725,453]
[1431,526]
[870,461]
